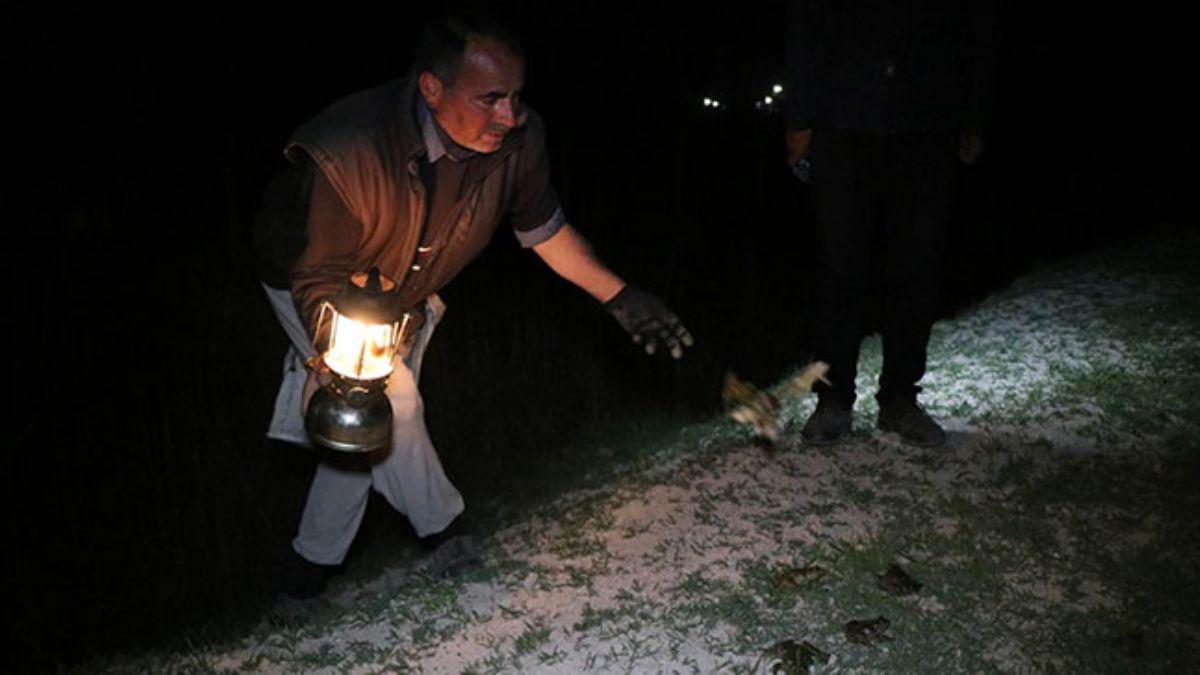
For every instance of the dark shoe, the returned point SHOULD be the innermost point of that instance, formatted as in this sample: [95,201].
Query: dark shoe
[451,552]
[828,423]
[907,418]
[304,580]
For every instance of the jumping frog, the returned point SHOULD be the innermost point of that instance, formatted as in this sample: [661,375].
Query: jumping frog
[897,582]
[792,658]
[866,632]
[753,407]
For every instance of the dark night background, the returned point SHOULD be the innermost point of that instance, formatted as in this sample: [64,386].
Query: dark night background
[142,498]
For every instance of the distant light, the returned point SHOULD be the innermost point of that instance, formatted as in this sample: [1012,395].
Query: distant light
[768,100]
[707,102]
[716,104]
[777,89]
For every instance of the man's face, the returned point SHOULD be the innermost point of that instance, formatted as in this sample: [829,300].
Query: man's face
[483,104]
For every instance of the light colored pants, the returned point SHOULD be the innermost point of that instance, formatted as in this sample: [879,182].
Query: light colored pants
[408,473]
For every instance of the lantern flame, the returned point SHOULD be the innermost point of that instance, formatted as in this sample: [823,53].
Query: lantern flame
[359,350]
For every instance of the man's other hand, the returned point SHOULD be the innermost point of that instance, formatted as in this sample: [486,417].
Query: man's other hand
[970,147]
[319,375]
[798,145]
[649,321]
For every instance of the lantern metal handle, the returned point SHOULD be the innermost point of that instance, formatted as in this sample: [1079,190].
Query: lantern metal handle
[325,306]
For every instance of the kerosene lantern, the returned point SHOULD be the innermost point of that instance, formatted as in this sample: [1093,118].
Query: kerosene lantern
[352,412]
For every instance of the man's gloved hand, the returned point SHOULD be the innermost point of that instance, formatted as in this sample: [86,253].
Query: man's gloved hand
[648,320]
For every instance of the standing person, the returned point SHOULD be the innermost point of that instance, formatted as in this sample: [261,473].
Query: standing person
[884,94]
[413,177]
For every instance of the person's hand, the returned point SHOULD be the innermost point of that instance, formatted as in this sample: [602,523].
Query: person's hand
[970,147]
[319,371]
[319,375]
[798,145]
[649,321]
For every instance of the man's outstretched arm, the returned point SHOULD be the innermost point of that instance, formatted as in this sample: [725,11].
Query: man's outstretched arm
[571,257]
[642,315]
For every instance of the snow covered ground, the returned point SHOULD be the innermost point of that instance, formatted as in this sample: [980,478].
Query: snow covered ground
[1055,531]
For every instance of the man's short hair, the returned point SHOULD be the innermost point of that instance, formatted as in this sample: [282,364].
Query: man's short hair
[443,42]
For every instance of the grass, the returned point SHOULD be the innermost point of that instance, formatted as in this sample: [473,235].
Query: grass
[1058,531]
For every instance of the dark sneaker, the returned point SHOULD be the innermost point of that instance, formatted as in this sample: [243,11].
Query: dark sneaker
[828,423]
[451,552]
[304,580]
[907,418]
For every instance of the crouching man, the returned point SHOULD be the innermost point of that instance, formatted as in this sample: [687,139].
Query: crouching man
[413,177]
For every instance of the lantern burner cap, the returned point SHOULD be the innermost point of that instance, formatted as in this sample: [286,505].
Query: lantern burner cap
[372,282]
[370,297]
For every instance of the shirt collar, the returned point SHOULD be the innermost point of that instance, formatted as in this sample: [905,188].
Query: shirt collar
[438,143]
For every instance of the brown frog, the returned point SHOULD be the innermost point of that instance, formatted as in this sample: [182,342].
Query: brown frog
[897,582]
[1131,644]
[791,658]
[794,577]
[868,631]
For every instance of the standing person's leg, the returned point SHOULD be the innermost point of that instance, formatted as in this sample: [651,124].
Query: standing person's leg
[843,195]
[410,474]
[920,179]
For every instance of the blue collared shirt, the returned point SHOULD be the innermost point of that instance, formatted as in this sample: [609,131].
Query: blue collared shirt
[438,145]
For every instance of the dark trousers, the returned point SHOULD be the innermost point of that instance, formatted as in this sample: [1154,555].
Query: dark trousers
[882,204]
